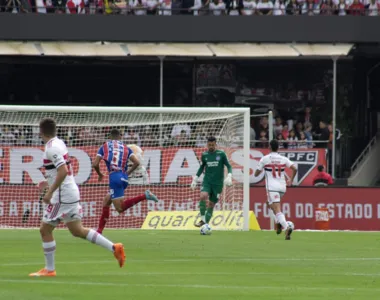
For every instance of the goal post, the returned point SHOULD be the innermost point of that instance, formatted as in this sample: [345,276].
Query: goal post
[172,139]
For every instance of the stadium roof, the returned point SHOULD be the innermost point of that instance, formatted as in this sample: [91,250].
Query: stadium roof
[222,50]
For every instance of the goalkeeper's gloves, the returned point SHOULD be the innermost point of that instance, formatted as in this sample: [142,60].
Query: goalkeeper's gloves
[193,185]
[228,180]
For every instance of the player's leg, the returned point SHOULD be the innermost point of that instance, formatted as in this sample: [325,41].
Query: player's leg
[117,194]
[202,206]
[105,213]
[274,198]
[288,230]
[128,203]
[122,205]
[210,209]
[216,191]
[76,228]
[48,243]
[205,192]
[278,226]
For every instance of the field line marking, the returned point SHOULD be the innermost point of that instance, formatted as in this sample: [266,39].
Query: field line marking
[291,274]
[182,286]
[196,259]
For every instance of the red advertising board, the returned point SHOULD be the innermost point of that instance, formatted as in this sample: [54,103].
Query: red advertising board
[349,208]
[15,200]
[22,165]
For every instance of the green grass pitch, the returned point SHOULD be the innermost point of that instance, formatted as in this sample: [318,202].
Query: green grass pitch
[184,265]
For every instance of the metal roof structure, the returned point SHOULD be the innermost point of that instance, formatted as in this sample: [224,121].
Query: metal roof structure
[222,50]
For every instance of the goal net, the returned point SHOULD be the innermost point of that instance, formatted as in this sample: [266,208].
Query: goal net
[172,141]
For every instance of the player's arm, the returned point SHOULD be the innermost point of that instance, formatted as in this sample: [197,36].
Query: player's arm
[199,173]
[135,163]
[228,180]
[60,164]
[201,167]
[293,167]
[96,163]
[260,167]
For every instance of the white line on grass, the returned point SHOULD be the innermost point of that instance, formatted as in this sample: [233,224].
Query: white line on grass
[274,259]
[289,274]
[151,261]
[190,286]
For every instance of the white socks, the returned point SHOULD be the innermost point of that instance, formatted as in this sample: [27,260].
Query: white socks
[49,251]
[203,218]
[273,216]
[97,238]
[281,219]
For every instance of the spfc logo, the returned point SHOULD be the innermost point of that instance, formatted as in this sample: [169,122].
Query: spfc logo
[305,162]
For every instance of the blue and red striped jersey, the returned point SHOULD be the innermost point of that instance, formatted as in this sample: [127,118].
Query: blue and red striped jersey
[115,154]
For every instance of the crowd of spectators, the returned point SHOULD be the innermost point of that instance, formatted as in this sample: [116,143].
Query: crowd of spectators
[294,133]
[196,7]
[182,134]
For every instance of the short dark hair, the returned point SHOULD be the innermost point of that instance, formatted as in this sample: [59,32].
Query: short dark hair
[274,145]
[115,133]
[320,168]
[211,139]
[48,127]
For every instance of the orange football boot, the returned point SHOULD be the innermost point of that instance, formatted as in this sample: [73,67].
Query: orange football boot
[43,273]
[119,253]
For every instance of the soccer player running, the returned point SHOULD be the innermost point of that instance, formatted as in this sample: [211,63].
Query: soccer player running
[274,165]
[213,162]
[116,156]
[63,199]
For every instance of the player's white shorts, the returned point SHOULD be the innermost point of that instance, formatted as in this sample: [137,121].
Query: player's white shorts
[63,208]
[54,214]
[274,197]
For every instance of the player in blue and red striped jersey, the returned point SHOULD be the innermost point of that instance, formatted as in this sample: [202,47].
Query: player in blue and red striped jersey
[116,155]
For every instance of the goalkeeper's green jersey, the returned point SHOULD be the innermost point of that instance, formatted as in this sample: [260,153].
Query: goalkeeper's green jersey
[214,163]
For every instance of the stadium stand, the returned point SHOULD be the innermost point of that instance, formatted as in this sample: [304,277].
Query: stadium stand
[195,7]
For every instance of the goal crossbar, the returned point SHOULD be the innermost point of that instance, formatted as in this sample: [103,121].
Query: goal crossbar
[121,109]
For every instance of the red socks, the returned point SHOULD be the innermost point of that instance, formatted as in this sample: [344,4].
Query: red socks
[133,201]
[125,205]
[103,219]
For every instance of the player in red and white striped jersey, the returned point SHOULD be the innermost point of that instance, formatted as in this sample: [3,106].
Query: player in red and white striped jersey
[63,199]
[55,156]
[274,166]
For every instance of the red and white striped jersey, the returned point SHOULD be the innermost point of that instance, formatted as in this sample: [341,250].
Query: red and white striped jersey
[274,166]
[55,155]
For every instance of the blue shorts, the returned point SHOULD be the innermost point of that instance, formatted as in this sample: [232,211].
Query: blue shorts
[118,183]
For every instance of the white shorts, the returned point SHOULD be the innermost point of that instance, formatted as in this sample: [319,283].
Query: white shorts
[56,213]
[274,197]
[65,207]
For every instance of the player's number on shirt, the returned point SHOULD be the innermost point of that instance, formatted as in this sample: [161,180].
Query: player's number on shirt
[115,157]
[276,171]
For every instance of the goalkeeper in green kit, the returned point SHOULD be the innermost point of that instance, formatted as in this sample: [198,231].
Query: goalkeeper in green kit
[213,162]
